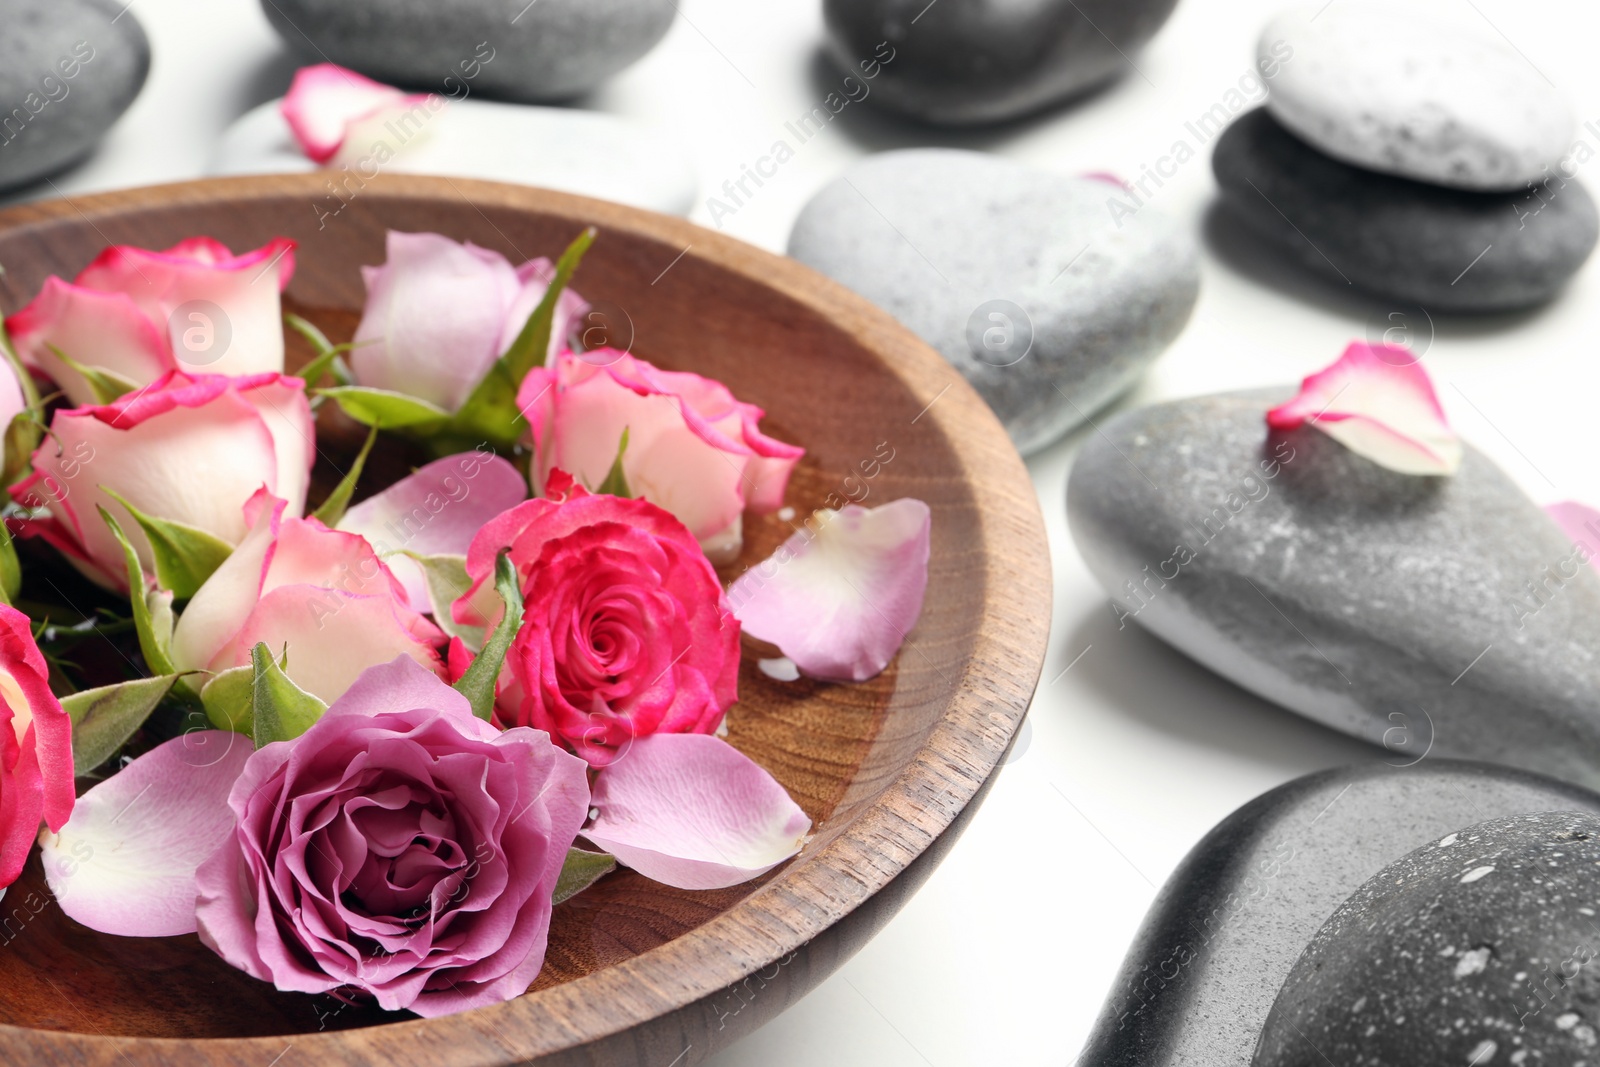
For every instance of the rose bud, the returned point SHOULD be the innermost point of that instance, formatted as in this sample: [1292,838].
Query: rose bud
[35,746]
[136,315]
[189,449]
[320,596]
[693,448]
[439,313]
[626,633]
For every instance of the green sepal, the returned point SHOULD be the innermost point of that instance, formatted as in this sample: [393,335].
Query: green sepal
[532,344]
[22,436]
[152,608]
[227,698]
[103,719]
[447,583]
[387,410]
[10,567]
[477,684]
[105,385]
[185,555]
[616,482]
[581,870]
[332,509]
[327,353]
[279,709]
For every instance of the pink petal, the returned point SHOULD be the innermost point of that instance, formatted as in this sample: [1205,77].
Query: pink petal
[1377,401]
[435,512]
[839,596]
[125,861]
[693,812]
[103,330]
[1581,524]
[323,100]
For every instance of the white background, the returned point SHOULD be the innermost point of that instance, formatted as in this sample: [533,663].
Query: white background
[1132,754]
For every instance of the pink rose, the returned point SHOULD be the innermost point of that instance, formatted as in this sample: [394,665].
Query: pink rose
[190,449]
[138,314]
[693,448]
[400,846]
[626,632]
[35,746]
[322,594]
[439,313]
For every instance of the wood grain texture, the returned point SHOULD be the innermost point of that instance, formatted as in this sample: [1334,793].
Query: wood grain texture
[636,973]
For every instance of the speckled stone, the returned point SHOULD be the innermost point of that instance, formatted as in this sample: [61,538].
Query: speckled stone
[1476,949]
[1022,279]
[1226,929]
[550,50]
[1445,249]
[962,62]
[53,118]
[1425,614]
[1384,88]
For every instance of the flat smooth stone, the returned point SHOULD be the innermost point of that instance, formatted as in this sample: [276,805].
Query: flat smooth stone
[550,50]
[55,119]
[1396,92]
[1442,615]
[1444,249]
[583,152]
[1225,931]
[1477,948]
[964,62]
[1020,278]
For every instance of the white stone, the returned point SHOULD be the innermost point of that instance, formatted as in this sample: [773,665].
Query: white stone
[584,152]
[1393,92]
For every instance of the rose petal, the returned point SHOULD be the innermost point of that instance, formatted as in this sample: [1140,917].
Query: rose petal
[125,861]
[436,511]
[1377,401]
[693,812]
[839,597]
[324,99]
[95,329]
[1581,524]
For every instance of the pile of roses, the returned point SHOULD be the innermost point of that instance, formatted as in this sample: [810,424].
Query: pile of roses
[367,745]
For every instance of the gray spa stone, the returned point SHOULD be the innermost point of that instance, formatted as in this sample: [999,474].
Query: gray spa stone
[1022,279]
[1426,614]
[1225,931]
[1445,249]
[962,62]
[1383,88]
[68,70]
[550,50]
[1476,949]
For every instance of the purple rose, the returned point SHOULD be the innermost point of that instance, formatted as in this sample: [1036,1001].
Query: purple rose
[400,846]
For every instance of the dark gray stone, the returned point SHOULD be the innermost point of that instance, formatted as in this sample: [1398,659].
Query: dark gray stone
[1436,614]
[1445,249]
[1476,949]
[1020,278]
[550,51]
[1226,929]
[68,70]
[962,62]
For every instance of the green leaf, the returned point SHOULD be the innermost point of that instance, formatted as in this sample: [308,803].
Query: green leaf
[105,385]
[386,410]
[533,340]
[22,436]
[152,608]
[477,684]
[185,556]
[333,508]
[103,719]
[616,482]
[581,870]
[279,709]
[227,698]
[10,567]
[447,583]
[327,353]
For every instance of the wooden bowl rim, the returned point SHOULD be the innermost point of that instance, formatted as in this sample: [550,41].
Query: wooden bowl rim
[962,751]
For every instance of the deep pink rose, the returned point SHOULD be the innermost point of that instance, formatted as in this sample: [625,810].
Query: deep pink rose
[693,448]
[399,846]
[626,631]
[139,314]
[35,746]
[189,449]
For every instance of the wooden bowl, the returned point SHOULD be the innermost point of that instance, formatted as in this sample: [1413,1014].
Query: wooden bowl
[636,973]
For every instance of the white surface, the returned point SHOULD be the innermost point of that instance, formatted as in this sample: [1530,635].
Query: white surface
[1134,752]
